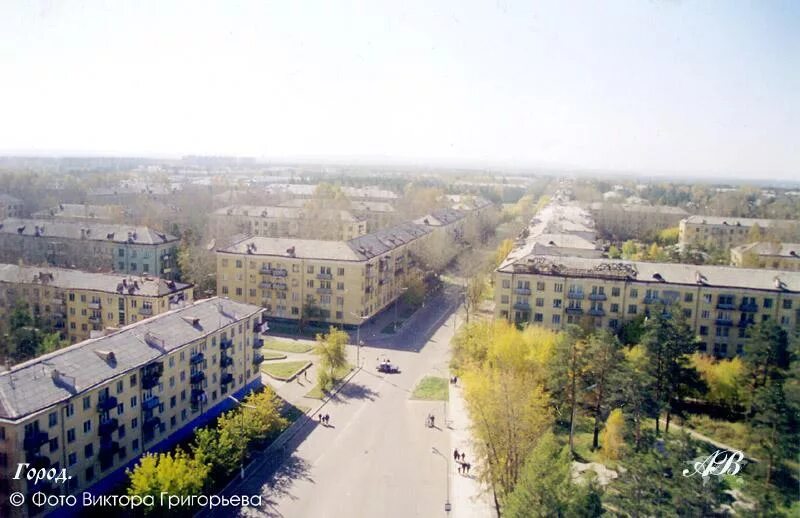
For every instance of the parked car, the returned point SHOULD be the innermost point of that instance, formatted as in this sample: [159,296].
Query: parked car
[387,368]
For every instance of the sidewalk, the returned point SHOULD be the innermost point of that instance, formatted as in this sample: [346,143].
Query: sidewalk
[469,498]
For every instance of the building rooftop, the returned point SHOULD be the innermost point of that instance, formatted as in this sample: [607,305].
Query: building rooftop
[634,207]
[766,248]
[282,212]
[307,190]
[81,211]
[64,278]
[658,273]
[440,217]
[467,202]
[357,206]
[736,222]
[37,384]
[85,230]
[361,248]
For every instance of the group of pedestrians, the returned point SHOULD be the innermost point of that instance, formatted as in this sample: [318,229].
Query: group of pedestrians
[324,419]
[454,380]
[461,459]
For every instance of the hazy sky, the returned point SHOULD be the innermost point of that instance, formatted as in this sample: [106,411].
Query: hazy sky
[683,86]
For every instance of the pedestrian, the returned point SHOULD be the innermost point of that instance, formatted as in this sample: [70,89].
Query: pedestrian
[468,466]
[327,419]
[463,456]
[456,455]
[455,380]
[432,418]
[459,469]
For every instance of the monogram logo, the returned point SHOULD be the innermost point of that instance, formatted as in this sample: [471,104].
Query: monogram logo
[719,463]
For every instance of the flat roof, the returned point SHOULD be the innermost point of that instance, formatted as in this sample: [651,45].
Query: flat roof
[744,222]
[275,211]
[64,278]
[765,248]
[91,231]
[49,379]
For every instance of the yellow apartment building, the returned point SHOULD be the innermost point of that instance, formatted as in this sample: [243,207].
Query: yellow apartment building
[337,282]
[724,233]
[719,302]
[94,407]
[633,220]
[300,222]
[77,303]
[765,254]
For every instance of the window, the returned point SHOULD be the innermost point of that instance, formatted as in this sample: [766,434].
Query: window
[767,303]
[238,263]
[703,330]
[87,403]
[538,317]
[539,302]
[172,402]
[71,435]
[615,292]
[707,298]
[72,459]
[557,303]
[133,401]
[634,294]
[688,297]
[89,474]
[503,299]
[69,410]
[88,450]
[121,431]
[52,419]
[615,308]
[134,423]
[340,271]
[632,309]
[705,314]
[558,287]
[787,304]
[133,380]
[540,286]
[557,319]
[87,426]
[135,445]
[53,444]
[687,312]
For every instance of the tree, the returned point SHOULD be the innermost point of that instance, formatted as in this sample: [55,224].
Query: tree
[568,369]
[545,487]
[174,473]
[754,234]
[766,353]
[725,379]
[614,435]
[636,394]
[604,359]
[476,287]
[772,423]
[219,449]
[629,250]
[614,252]
[330,349]
[415,292]
[632,331]
[502,251]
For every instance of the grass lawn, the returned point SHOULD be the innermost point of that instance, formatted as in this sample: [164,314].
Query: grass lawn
[318,393]
[432,389]
[284,370]
[288,347]
[269,355]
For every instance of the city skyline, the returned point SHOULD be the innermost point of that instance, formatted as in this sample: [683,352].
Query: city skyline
[657,88]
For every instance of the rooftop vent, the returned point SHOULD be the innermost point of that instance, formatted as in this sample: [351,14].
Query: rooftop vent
[194,321]
[110,235]
[106,356]
[290,251]
[779,284]
[657,276]
[64,381]
[21,229]
[700,278]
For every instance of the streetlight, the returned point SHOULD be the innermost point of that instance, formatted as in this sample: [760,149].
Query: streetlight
[447,478]
[244,447]
[359,343]
[396,302]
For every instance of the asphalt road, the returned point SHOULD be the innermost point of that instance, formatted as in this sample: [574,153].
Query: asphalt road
[375,458]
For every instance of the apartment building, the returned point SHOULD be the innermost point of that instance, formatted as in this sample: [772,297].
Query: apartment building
[127,249]
[78,304]
[366,193]
[724,233]
[336,282]
[719,302]
[765,254]
[300,222]
[94,407]
[378,214]
[626,220]
[82,212]
[10,207]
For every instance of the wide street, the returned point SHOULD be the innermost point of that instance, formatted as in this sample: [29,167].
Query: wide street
[376,457]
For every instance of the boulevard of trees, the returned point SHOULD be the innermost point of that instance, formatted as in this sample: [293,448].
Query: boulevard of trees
[539,400]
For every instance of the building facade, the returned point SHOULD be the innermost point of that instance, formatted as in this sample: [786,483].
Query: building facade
[82,212]
[625,221]
[724,233]
[275,221]
[719,302]
[10,207]
[336,282]
[127,249]
[77,303]
[93,408]
[765,254]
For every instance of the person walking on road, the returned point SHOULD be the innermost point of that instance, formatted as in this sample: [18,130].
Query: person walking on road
[456,455]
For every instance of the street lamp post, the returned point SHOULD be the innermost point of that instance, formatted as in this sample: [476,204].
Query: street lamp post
[359,343]
[244,447]
[447,478]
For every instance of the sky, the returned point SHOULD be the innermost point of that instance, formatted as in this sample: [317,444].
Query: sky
[690,87]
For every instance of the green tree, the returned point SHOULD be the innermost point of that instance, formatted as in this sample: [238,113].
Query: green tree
[415,293]
[332,354]
[174,473]
[636,394]
[766,353]
[614,252]
[629,250]
[568,371]
[774,423]
[219,449]
[604,359]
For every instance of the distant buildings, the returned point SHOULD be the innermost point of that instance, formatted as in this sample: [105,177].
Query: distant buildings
[367,193]
[82,212]
[93,408]
[77,303]
[631,220]
[723,232]
[105,247]
[306,223]
[765,254]
[10,207]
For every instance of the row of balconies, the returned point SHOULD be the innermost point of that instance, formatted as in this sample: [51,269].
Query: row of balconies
[275,272]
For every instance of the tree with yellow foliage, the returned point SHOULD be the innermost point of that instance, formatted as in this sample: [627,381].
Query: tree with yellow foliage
[613,438]
[502,251]
[726,379]
[175,473]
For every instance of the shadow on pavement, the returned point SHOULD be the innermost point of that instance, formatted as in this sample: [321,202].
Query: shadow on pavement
[279,485]
[355,391]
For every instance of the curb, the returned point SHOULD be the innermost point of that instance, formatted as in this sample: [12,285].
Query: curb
[290,378]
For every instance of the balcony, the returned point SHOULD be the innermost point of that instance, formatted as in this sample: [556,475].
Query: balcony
[151,424]
[197,358]
[197,377]
[258,359]
[58,302]
[597,296]
[279,273]
[95,319]
[265,285]
[745,322]
[280,286]
[324,276]
[94,305]
[652,300]
[575,295]
[198,396]
[265,271]
[751,307]
[150,404]
[106,404]
[574,311]
[225,361]
[146,311]
[226,379]
[726,306]
[108,427]
[35,440]
[596,312]
[226,343]
[324,291]
[723,322]
[522,291]
[522,306]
